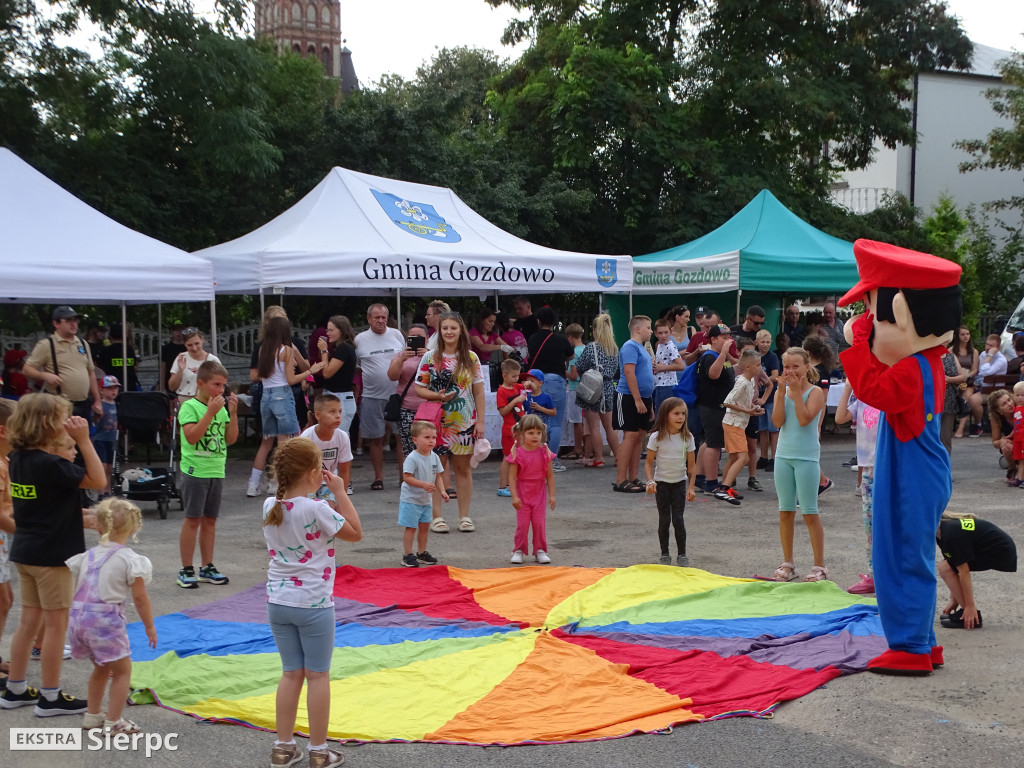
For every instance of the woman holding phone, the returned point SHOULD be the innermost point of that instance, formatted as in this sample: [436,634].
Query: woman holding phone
[339,358]
[403,369]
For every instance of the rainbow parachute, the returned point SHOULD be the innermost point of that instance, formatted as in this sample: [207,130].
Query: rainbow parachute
[521,655]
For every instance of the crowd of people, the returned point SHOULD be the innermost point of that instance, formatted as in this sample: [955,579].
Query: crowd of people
[670,400]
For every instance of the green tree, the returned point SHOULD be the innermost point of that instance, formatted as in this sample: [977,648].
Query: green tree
[947,232]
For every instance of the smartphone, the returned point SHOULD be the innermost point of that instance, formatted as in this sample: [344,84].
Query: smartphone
[416,342]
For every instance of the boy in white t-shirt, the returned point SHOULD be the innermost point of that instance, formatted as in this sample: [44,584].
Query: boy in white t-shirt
[333,443]
[667,363]
[739,405]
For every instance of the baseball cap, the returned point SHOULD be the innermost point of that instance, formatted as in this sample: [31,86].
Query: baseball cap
[481,451]
[62,312]
[883,265]
[110,381]
[701,310]
[535,373]
[12,356]
[719,330]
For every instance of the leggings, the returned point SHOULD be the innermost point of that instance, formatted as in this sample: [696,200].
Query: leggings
[797,479]
[671,499]
[867,488]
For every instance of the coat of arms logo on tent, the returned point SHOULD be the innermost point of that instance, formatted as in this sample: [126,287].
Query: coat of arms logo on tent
[419,219]
[607,275]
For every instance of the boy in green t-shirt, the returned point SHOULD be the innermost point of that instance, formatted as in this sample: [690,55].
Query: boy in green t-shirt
[207,429]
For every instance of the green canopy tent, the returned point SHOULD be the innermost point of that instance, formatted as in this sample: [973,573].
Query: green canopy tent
[760,256]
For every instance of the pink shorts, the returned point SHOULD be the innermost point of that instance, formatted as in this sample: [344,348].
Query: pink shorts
[98,631]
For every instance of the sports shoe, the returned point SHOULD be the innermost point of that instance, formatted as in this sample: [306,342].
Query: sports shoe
[254,487]
[762,463]
[187,578]
[210,575]
[682,561]
[67,651]
[711,486]
[91,721]
[349,489]
[284,755]
[10,700]
[665,560]
[410,561]
[37,653]
[753,484]
[62,705]
[771,465]
[542,557]
[517,557]
[851,463]
[975,431]
[557,466]
[325,758]
[828,486]
[727,494]
[504,492]
[426,557]
[866,586]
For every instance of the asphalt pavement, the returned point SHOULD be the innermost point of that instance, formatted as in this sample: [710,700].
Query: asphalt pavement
[970,713]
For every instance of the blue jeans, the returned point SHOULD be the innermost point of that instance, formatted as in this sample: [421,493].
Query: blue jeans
[554,385]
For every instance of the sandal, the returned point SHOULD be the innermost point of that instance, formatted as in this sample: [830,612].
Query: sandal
[785,572]
[377,485]
[572,456]
[626,486]
[596,464]
[122,726]
[818,573]
[438,525]
[466,525]
[326,758]
[452,494]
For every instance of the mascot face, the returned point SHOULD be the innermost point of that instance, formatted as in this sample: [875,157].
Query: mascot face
[893,341]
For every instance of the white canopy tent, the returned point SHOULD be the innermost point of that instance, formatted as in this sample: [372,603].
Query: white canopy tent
[356,234]
[56,249]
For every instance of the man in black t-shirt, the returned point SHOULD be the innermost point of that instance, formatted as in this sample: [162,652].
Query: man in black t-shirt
[716,376]
[550,351]
[118,356]
[168,352]
[968,545]
[752,323]
[526,321]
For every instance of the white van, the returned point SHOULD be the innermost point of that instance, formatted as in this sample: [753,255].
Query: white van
[1014,325]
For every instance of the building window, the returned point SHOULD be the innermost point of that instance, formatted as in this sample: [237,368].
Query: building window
[325,16]
[296,48]
[311,15]
[328,61]
[296,13]
[311,51]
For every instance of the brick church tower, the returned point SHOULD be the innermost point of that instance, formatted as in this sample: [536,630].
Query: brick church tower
[310,28]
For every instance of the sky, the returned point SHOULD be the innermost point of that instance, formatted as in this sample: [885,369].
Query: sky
[388,38]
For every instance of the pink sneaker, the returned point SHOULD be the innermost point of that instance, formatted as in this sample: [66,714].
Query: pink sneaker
[866,586]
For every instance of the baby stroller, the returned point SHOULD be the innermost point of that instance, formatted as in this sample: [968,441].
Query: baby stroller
[143,417]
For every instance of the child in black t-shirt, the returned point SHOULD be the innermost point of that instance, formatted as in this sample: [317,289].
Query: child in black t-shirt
[969,544]
[48,516]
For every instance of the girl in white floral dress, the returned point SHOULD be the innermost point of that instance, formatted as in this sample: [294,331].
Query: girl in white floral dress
[300,533]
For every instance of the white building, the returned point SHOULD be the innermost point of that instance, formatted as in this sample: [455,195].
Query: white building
[948,107]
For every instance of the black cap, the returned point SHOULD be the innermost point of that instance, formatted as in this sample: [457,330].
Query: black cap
[62,312]
[701,310]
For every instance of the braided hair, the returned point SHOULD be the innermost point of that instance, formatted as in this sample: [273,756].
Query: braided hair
[293,460]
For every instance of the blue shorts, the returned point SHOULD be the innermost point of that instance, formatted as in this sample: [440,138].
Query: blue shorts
[304,636]
[764,421]
[410,515]
[105,450]
[277,409]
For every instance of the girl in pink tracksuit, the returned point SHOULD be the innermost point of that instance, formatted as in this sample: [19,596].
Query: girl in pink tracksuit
[532,483]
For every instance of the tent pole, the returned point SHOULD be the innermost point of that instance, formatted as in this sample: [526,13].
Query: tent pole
[600,303]
[124,347]
[263,309]
[398,307]
[159,341]
[213,325]
[631,304]
[739,292]
[497,306]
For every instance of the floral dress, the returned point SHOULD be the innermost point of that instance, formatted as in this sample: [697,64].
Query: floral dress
[594,356]
[459,416]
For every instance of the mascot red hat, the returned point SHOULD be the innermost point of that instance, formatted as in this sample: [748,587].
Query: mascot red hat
[881,265]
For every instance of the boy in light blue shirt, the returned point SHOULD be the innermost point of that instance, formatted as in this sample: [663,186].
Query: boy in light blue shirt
[421,476]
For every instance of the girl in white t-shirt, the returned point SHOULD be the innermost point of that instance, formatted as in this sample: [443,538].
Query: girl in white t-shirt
[670,461]
[300,534]
[105,578]
[184,379]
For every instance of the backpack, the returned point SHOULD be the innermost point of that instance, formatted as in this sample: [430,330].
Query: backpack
[689,383]
[591,385]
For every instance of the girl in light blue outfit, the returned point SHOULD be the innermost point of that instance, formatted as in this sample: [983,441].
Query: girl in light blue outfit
[797,406]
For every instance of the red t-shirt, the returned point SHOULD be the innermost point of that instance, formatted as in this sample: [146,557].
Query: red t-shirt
[503,397]
[701,337]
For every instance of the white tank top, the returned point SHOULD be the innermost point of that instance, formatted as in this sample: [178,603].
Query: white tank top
[278,378]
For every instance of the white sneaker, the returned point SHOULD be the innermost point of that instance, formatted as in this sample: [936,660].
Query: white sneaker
[349,489]
[542,557]
[517,557]
[254,488]
[67,651]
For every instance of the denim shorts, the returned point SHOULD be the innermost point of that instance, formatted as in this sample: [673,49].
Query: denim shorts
[277,409]
[304,636]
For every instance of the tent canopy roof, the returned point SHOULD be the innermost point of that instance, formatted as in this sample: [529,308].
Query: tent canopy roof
[777,251]
[58,249]
[365,235]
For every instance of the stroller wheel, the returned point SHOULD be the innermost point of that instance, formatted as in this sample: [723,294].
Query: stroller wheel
[162,506]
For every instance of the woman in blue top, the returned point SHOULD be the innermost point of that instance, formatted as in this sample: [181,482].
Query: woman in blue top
[797,405]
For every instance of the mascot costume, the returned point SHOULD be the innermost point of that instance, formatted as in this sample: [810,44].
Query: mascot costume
[912,307]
